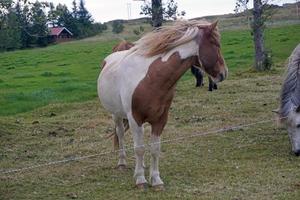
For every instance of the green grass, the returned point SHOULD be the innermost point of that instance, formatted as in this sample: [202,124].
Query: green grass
[50,112]
[60,73]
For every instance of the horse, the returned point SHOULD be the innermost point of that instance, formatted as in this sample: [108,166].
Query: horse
[139,84]
[123,45]
[289,110]
[199,79]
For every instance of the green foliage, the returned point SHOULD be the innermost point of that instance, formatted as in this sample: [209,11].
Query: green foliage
[139,30]
[24,24]
[169,9]
[39,27]
[136,32]
[10,34]
[117,26]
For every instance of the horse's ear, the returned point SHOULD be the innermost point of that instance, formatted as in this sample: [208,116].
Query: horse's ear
[213,25]
[276,111]
[298,109]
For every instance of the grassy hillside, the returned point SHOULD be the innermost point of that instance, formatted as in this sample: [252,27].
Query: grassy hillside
[60,73]
[49,111]
[68,72]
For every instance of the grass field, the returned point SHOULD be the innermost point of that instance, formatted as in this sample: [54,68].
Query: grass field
[50,111]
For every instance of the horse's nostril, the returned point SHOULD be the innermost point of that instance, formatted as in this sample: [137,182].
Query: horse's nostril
[297,153]
[221,77]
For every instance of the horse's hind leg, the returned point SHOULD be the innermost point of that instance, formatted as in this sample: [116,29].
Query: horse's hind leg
[120,136]
[139,150]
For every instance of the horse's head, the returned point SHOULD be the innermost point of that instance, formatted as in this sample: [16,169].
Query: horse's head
[293,126]
[210,58]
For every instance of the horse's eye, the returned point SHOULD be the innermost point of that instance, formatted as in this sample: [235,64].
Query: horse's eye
[298,125]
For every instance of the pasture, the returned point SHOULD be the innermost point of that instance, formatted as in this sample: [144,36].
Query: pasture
[49,111]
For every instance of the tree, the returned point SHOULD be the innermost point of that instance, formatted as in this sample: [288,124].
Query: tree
[24,24]
[83,14]
[261,13]
[10,35]
[157,13]
[297,7]
[39,28]
[52,15]
[65,18]
[117,26]
[22,12]
[74,9]
[160,11]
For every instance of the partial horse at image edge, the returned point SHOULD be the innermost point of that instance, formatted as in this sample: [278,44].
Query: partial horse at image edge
[289,110]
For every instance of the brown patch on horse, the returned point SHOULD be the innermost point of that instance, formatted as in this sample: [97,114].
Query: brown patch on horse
[152,97]
[124,45]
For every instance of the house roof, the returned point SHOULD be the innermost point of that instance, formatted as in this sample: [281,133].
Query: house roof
[57,30]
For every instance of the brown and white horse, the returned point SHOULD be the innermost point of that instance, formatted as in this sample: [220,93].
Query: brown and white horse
[138,84]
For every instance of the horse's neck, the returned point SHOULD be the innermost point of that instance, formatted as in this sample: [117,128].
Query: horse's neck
[290,95]
[165,74]
[172,65]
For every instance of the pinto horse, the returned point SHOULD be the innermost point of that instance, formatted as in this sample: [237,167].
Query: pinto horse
[139,84]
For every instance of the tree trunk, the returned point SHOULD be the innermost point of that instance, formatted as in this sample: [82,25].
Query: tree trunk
[157,14]
[258,35]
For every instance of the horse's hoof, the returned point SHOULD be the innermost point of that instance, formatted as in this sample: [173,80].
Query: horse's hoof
[121,167]
[158,188]
[142,186]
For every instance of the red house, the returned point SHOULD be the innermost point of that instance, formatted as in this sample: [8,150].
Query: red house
[60,34]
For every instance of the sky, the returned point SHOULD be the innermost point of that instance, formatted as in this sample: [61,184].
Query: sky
[106,10]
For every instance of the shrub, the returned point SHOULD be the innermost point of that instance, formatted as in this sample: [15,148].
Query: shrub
[117,26]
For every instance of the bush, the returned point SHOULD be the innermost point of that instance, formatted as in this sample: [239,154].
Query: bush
[142,29]
[136,32]
[117,26]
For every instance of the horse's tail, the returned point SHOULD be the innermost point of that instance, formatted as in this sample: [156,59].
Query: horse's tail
[116,139]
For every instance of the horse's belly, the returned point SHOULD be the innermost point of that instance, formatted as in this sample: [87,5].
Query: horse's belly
[109,93]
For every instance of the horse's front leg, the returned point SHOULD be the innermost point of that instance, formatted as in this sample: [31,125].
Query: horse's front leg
[155,179]
[139,150]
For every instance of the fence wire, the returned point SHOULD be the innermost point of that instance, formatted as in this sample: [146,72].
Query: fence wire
[78,158]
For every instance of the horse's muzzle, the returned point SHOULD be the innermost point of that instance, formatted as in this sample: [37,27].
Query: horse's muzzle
[222,76]
[297,152]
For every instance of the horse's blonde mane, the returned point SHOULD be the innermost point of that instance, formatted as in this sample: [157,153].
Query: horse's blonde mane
[290,94]
[169,37]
